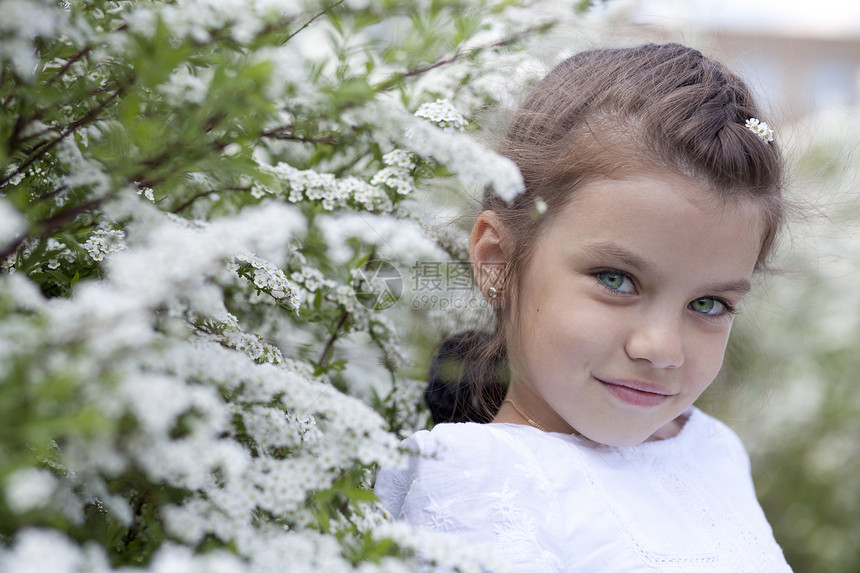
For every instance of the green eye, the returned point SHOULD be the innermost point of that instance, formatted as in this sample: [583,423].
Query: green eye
[708,306]
[616,281]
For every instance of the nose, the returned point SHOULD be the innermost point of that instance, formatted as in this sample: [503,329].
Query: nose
[658,339]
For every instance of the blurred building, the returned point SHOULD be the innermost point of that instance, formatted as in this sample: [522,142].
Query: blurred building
[800,57]
[795,75]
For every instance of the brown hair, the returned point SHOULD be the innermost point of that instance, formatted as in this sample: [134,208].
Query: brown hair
[606,114]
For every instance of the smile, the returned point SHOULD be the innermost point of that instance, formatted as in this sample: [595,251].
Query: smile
[636,392]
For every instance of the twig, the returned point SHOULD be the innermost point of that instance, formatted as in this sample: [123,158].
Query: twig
[202,194]
[11,91]
[459,55]
[324,356]
[36,135]
[282,133]
[77,57]
[53,223]
[311,21]
[40,150]
[53,192]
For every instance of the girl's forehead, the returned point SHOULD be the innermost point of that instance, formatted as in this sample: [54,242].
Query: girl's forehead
[663,213]
[676,193]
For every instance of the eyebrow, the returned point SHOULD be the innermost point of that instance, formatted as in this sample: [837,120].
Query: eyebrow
[615,251]
[611,250]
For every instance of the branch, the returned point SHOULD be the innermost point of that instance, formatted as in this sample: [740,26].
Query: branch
[283,133]
[311,21]
[202,194]
[11,91]
[53,223]
[460,55]
[53,192]
[42,149]
[324,356]
[13,246]
[77,57]
[35,135]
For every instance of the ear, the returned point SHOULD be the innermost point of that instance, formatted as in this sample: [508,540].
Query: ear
[490,249]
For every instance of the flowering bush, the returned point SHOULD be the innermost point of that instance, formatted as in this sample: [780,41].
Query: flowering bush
[190,195]
[796,383]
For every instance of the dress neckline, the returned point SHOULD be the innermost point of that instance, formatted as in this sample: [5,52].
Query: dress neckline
[690,418]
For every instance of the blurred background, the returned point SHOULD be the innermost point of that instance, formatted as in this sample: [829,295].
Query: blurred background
[791,385]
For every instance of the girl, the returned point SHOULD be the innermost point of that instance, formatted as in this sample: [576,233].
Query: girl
[652,196]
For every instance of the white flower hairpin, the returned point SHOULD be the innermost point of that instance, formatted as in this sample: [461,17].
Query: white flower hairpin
[760,128]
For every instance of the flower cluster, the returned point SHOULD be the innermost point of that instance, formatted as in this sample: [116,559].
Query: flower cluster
[60,252]
[23,22]
[760,128]
[250,344]
[270,279]
[146,192]
[11,222]
[29,488]
[406,399]
[104,242]
[329,191]
[396,174]
[266,426]
[473,163]
[185,86]
[312,279]
[395,239]
[443,114]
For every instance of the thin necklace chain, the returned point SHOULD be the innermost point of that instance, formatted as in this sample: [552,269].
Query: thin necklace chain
[542,429]
[521,413]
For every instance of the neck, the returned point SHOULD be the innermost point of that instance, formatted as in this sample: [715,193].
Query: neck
[522,415]
[526,407]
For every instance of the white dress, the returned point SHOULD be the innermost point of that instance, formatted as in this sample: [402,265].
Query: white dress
[557,502]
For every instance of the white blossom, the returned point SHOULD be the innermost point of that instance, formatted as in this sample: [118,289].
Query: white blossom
[760,128]
[187,85]
[11,222]
[396,239]
[443,114]
[271,279]
[329,191]
[312,279]
[471,162]
[23,21]
[28,489]
[42,551]
[441,549]
[104,242]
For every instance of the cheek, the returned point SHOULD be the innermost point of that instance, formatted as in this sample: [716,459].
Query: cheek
[572,335]
[706,360]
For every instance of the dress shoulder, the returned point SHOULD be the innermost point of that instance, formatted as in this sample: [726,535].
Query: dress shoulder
[482,482]
[457,456]
[723,443]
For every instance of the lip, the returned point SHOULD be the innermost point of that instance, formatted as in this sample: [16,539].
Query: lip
[636,392]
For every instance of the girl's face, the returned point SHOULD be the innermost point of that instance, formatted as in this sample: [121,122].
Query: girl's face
[624,311]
